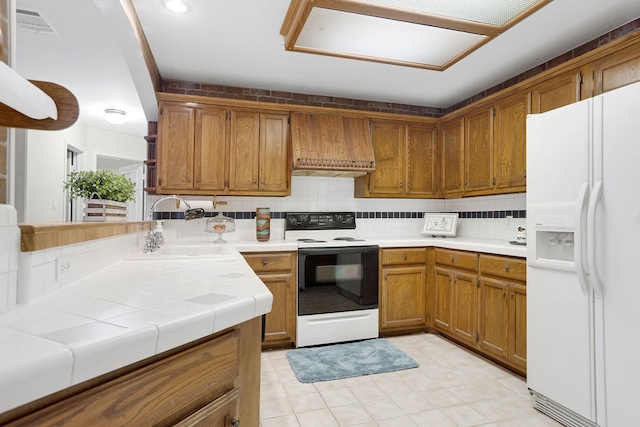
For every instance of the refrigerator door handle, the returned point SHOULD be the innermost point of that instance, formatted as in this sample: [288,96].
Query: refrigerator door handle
[596,196]
[578,238]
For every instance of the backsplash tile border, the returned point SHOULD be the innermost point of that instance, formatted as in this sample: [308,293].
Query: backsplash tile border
[169,215]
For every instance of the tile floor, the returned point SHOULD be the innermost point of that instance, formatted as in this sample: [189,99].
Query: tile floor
[451,388]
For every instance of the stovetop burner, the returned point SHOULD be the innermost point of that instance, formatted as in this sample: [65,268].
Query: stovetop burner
[323,229]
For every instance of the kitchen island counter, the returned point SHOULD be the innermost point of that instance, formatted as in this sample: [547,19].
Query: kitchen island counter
[130,311]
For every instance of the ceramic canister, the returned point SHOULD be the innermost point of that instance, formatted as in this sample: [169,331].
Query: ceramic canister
[263,224]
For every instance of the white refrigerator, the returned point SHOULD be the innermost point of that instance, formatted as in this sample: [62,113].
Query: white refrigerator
[583,260]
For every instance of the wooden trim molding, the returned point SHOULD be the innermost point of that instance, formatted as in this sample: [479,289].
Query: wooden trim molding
[196,100]
[45,236]
[66,103]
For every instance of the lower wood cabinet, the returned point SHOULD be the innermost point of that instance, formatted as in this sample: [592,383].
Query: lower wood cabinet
[503,309]
[278,271]
[480,300]
[214,381]
[456,293]
[402,294]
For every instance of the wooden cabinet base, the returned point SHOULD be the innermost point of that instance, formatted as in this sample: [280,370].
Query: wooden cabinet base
[206,382]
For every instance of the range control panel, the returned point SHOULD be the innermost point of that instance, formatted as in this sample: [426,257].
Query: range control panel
[320,220]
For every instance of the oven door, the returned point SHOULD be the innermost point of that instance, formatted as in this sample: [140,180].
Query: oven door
[337,279]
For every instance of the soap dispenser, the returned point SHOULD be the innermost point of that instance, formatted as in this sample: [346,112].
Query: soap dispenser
[159,235]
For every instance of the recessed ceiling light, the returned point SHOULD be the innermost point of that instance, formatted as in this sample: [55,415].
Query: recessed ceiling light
[429,34]
[116,117]
[177,6]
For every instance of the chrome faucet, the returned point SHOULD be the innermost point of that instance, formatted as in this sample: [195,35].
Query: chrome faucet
[153,238]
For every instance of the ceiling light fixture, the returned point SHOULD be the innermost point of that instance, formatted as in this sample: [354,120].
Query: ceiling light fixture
[177,6]
[430,34]
[116,117]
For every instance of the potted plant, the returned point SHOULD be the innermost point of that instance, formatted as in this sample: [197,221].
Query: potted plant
[105,193]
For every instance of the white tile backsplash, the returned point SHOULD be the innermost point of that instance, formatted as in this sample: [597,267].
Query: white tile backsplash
[336,194]
[37,275]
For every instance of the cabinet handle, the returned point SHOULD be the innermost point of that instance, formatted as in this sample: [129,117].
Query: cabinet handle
[511,294]
[265,262]
[235,422]
[400,185]
[504,293]
[404,256]
[507,267]
[453,258]
[262,181]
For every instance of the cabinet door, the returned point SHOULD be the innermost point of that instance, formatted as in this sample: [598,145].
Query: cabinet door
[222,412]
[280,323]
[465,306]
[244,151]
[617,69]
[494,317]
[518,325]
[421,177]
[176,148]
[452,157]
[478,150]
[510,141]
[274,137]
[210,149]
[556,92]
[443,299]
[389,151]
[402,299]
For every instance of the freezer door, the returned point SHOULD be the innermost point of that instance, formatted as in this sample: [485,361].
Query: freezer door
[560,362]
[617,244]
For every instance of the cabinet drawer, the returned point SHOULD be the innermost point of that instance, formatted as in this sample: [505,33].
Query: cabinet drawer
[510,268]
[458,259]
[404,256]
[262,262]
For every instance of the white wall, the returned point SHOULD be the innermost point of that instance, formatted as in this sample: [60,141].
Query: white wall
[101,142]
[46,153]
[45,159]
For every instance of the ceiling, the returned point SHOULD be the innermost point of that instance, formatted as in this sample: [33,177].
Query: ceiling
[238,43]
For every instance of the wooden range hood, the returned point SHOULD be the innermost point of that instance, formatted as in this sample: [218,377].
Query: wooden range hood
[331,145]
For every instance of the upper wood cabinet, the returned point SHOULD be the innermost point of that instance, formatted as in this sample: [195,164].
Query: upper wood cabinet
[405,161]
[616,69]
[176,124]
[451,157]
[421,167]
[478,149]
[509,142]
[216,150]
[556,92]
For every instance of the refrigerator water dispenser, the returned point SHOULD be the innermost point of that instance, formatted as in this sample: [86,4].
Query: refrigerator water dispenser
[553,236]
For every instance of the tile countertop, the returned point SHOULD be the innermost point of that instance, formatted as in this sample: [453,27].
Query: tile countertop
[491,246]
[146,306]
[127,312]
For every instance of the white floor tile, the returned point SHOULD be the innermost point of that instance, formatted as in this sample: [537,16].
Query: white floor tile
[452,388]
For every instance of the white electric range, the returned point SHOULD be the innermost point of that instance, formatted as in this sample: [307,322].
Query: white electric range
[337,278]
